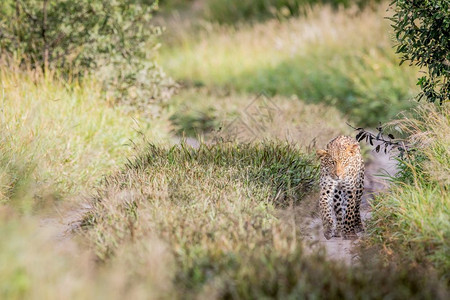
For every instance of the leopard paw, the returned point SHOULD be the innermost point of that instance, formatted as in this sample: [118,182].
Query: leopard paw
[327,234]
[359,228]
[350,236]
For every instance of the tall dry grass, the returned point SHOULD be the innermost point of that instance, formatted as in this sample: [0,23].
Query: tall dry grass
[57,140]
[412,221]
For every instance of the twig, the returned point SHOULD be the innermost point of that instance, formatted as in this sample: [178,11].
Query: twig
[388,144]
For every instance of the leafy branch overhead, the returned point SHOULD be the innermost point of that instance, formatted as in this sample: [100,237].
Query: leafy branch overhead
[422,31]
[382,142]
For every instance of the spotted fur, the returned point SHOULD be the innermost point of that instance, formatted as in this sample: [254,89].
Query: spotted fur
[341,187]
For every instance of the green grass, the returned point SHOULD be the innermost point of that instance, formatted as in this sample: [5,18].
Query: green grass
[60,138]
[235,11]
[412,221]
[174,222]
[239,11]
[216,209]
[339,58]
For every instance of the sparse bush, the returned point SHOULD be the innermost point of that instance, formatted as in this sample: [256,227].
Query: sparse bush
[422,30]
[74,34]
[113,39]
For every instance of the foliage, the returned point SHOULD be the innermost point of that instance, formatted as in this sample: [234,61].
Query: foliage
[112,38]
[422,30]
[381,142]
[66,34]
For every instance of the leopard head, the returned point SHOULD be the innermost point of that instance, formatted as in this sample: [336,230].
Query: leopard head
[337,159]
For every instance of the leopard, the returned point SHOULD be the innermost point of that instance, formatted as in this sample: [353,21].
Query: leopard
[341,187]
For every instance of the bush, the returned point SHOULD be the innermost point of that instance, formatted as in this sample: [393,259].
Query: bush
[113,38]
[422,31]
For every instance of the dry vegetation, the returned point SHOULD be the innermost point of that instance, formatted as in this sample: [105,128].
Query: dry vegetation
[213,114]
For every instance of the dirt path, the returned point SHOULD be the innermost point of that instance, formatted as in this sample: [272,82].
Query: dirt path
[337,248]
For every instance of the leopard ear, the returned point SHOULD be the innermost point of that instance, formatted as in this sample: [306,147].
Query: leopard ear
[353,149]
[321,153]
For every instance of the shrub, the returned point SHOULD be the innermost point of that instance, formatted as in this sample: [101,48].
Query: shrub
[422,31]
[113,38]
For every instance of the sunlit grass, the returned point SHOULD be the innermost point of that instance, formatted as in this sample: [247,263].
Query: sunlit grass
[216,209]
[341,58]
[176,222]
[244,117]
[62,137]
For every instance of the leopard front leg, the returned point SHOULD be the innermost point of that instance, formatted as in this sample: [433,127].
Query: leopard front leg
[339,205]
[359,192]
[327,188]
[358,223]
